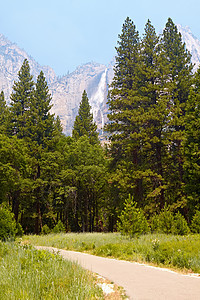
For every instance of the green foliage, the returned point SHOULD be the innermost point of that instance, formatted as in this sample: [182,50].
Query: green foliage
[8,227]
[132,220]
[41,123]
[164,222]
[195,224]
[180,225]
[21,98]
[167,222]
[147,104]
[84,123]
[45,229]
[192,145]
[19,229]
[59,227]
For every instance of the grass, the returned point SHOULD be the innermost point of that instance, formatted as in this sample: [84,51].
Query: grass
[179,252]
[27,273]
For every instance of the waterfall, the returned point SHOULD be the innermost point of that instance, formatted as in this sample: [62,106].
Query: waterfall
[97,99]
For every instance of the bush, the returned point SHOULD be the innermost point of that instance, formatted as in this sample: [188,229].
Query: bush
[19,229]
[154,223]
[59,227]
[7,224]
[45,229]
[132,220]
[164,222]
[195,224]
[167,223]
[180,225]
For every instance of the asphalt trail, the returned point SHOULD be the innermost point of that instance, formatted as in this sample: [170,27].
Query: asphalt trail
[141,282]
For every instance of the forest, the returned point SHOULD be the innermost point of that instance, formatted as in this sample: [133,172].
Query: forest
[149,165]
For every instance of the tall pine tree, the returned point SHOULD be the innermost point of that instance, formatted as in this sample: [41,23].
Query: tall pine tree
[21,98]
[192,146]
[178,62]
[120,107]
[41,122]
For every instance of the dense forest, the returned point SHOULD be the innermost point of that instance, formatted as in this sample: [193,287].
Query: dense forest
[151,156]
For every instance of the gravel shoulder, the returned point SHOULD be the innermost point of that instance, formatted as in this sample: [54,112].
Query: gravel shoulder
[140,281]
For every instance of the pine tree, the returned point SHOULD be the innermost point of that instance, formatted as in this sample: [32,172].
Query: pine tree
[41,122]
[124,154]
[147,117]
[137,123]
[23,93]
[178,62]
[84,124]
[122,84]
[152,113]
[192,146]
[41,132]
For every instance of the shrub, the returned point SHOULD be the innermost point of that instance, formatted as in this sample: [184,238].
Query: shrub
[59,227]
[195,224]
[154,223]
[180,225]
[7,224]
[45,229]
[132,220]
[19,229]
[165,221]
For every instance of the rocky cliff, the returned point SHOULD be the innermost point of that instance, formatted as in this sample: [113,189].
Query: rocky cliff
[67,93]
[192,44]
[11,59]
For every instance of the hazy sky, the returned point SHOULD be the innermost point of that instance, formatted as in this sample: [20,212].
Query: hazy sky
[66,33]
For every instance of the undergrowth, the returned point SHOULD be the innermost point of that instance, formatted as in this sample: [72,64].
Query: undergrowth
[27,274]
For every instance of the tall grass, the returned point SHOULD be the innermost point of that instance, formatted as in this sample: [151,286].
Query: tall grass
[161,249]
[27,274]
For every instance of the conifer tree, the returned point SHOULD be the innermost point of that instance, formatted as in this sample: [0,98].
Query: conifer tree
[122,84]
[192,146]
[178,62]
[124,154]
[21,97]
[146,119]
[152,113]
[41,122]
[84,124]
[40,136]
[137,124]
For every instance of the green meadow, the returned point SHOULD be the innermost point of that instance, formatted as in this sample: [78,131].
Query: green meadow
[29,274]
[173,251]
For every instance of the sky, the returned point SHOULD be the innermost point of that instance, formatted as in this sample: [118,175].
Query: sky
[64,34]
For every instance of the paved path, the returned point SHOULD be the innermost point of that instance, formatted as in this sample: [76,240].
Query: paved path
[141,282]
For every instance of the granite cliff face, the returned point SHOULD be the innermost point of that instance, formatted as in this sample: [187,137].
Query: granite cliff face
[67,93]
[11,59]
[192,44]
[67,90]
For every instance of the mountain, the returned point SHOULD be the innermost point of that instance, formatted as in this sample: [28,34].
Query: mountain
[192,44]
[67,90]
[67,93]
[11,60]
